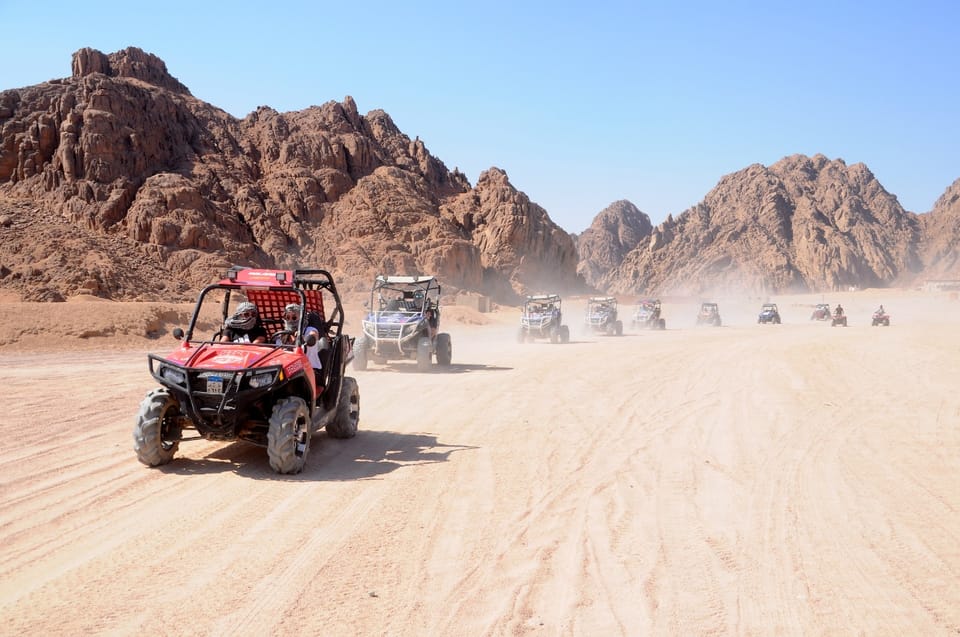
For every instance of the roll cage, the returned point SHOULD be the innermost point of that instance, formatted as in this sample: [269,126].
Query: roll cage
[272,291]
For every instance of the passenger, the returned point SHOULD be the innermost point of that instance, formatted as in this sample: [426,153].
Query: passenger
[291,320]
[393,305]
[245,326]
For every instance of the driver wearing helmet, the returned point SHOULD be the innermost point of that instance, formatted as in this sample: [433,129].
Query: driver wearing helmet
[245,326]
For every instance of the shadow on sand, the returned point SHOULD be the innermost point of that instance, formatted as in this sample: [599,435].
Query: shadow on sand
[368,455]
[452,368]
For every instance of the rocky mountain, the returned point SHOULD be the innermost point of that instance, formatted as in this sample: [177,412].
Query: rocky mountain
[941,233]
[801,224]
[118,182]
[618,229]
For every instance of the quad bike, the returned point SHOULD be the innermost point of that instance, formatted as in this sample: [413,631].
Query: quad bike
[769,314]
[541,317]
[709,315]
[647,315]
[266,394]
[880,318]
[839,318]
[601,316]
[403,322]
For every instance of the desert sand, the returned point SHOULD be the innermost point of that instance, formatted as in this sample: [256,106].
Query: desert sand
[744,480]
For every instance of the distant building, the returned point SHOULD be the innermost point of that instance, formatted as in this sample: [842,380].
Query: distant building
[941,285]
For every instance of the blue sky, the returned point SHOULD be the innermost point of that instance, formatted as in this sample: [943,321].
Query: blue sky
[580,103]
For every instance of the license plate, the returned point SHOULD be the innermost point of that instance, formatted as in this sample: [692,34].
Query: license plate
[214,384]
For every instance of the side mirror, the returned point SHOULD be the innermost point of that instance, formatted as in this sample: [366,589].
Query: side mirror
[178,333]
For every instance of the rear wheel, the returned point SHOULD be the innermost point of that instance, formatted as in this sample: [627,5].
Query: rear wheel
[424,355]
[618,328]
[564,334]
[288,439]
[157,432]
[522,335]
[345,423]
[444,349]
[662,324]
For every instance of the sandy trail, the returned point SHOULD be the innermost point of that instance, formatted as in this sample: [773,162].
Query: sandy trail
[794,479]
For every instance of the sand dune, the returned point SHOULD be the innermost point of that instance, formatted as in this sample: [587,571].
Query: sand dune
[765,480]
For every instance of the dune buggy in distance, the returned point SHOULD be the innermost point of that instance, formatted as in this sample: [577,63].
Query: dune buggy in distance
[821,312]
[262,393]
[601,316]
[709,314]
[541,317]
[403,322]
[769,313]
[647,315]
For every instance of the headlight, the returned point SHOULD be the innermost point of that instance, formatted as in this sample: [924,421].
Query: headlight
[262,379]
[173,375]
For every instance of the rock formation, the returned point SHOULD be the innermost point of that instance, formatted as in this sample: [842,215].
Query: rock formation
[941,236]
[618,229]
[802,224]
[123,155]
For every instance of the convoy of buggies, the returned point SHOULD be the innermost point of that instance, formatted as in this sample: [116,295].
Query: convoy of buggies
[272,373]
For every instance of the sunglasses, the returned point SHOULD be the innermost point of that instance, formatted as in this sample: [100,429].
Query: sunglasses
[291,316]
[247,314]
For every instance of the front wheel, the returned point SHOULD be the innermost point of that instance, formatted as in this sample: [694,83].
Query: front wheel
[444,349]
[157,432]
[360,355]
[424,355]
[288,439]
[345,424]
[618,328]
[564,334]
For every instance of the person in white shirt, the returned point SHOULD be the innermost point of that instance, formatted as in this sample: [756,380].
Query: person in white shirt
[291,319]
